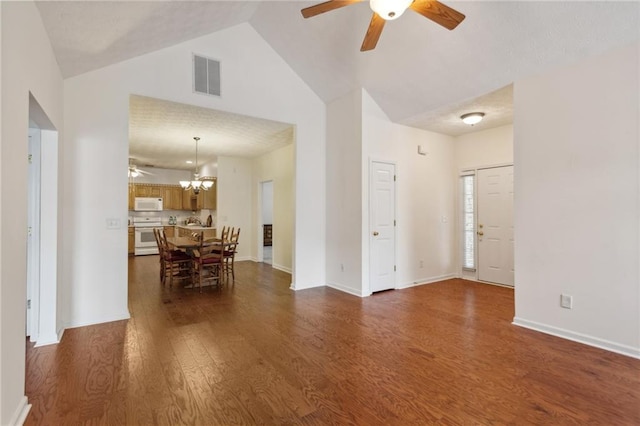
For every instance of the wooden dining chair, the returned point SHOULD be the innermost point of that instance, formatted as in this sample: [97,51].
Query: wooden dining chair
[156,235]
[207,261]
[173,262]
[224,235]
[230,255]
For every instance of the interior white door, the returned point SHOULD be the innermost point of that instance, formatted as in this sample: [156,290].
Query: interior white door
[382,233]
[495,225]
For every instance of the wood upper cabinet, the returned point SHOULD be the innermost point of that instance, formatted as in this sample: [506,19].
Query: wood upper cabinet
[148,190]
[188,200]
[170,194]
[210,201]
[174,197]
[132,195]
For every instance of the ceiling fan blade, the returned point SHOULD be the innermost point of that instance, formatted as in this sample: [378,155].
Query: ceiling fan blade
[438,13]
[373,33]
[327,6]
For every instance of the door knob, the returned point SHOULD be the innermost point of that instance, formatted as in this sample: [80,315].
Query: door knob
[480,233]
[375,233]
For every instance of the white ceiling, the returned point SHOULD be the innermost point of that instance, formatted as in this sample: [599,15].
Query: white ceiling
[420,74]
[161,134]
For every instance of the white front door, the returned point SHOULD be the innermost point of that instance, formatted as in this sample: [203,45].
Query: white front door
[382,233]
[495,225]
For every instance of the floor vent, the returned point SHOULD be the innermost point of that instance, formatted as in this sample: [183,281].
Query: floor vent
[206,75]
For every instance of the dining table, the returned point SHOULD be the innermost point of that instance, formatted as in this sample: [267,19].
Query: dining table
[187,243]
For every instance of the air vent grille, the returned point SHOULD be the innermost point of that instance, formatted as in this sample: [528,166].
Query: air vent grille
[206,75]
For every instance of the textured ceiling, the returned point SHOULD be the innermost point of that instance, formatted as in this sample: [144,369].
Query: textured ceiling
[420,73]
[161,134]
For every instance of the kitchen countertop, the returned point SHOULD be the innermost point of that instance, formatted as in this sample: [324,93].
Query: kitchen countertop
[196,227]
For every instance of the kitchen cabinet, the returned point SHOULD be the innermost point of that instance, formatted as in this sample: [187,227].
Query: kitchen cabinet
[132,195]
[189,201]
[169,231]
[132,241]
[171,194]
[210,197]
[174,197]
[148,190]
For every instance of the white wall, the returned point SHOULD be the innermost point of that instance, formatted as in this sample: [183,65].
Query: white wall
[235,200]
[425,194]
[489,147]
[267,203]
[28,65]
[344,183]
[577,201]
[277,166]
[255,81]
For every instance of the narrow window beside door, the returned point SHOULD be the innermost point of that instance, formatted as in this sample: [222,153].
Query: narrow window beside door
[468,226]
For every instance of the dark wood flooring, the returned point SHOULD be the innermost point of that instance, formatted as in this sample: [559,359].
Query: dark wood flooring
[259,353]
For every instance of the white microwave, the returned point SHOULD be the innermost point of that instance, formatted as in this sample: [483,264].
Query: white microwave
[147,204]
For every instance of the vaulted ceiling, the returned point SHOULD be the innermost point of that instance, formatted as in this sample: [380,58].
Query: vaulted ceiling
[420,74]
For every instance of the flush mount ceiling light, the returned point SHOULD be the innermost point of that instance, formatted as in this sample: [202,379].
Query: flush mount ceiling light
[472,118]
[198,182]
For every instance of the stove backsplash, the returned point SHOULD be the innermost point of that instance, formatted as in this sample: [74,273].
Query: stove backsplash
[180,216]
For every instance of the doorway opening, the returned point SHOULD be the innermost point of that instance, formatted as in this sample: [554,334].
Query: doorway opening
[266,216]
[43,322]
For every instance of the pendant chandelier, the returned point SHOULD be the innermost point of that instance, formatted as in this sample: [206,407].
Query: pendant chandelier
[197,183]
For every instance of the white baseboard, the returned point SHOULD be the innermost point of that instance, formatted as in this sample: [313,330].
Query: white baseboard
[20,413]
[48,340]
[296,287]
[422,281]
[345,289]
[473,280]
[120,317]
[578,337]
[240,259]
[281,268]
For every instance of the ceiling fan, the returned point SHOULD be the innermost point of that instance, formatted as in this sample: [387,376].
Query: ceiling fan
[387,10]
[134,171]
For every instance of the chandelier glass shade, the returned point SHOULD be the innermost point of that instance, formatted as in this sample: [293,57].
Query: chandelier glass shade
[197,183]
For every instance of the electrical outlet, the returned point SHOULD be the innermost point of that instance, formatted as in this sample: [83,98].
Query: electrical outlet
[341,267]
[566,301]
[422,264]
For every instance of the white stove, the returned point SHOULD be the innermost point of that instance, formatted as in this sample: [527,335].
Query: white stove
[145,240]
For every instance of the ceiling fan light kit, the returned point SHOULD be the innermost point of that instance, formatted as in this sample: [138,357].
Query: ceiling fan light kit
[472,118]
[387,10]
[197,183]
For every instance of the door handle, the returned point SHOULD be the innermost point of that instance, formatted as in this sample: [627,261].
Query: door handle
[375,233]
[480,233]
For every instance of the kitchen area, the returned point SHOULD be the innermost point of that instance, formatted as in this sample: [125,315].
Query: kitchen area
[177,211]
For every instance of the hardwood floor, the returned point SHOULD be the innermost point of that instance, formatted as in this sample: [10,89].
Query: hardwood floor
[259,353]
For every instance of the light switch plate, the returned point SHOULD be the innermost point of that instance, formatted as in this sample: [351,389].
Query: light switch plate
[113,223]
